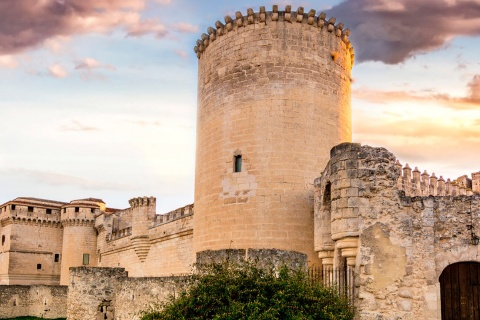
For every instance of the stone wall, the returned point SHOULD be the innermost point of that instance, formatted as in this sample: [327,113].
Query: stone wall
[134,295]
[398,245]
[166,249]
[262,257]
[108,293]
[40,301]
[91,292]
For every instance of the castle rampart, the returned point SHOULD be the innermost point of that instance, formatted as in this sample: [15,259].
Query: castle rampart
[273,98]
[398,244]
[415,184]
[38,301]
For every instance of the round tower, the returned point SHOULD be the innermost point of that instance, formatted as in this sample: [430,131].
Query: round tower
[79,235]
[273,99]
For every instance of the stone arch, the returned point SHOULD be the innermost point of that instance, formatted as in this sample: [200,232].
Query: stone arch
[460,291]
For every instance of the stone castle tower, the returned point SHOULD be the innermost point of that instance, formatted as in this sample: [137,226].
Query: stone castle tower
[79,234]
[273,99]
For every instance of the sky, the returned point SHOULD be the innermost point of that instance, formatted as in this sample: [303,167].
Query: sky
[98,97]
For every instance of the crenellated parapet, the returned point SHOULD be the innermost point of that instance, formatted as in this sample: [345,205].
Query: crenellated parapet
[414,183]
[299,16]
[173,215]
[142,202]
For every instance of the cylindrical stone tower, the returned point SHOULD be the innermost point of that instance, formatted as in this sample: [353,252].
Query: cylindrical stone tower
[79,235]
[273,99]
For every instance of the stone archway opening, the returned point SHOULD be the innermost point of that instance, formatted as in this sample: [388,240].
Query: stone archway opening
[460,291]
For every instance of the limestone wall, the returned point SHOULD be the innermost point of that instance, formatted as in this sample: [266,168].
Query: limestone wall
[91,292]
[108,293]
[40,301]
[162,248]
[273,88]
[31,252]
[399,245]
[138,294]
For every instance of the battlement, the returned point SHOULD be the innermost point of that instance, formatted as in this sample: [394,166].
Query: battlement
[126,232]
[173,215]
[142,202]
[275,16]
[415,183]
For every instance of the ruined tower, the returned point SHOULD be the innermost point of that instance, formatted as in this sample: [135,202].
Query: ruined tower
[273,99]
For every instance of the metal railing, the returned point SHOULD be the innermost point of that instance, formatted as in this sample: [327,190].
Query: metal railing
[342,280]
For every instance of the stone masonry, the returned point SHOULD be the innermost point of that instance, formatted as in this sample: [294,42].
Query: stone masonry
[398,244]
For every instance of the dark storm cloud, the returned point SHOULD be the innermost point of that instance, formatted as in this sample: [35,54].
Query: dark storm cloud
[392,31]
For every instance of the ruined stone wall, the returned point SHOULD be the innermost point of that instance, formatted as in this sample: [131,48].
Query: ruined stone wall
[108,293]
[91,292]
[39,301]
[273,88]
[399,245]
[134,295]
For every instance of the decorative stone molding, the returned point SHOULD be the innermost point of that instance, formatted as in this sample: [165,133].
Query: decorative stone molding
[349,249]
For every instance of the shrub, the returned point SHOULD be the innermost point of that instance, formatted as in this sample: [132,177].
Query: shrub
[245,291]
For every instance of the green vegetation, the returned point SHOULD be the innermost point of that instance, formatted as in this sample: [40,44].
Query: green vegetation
[246,291]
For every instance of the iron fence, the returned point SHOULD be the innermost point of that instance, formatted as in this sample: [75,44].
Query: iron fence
[341,280]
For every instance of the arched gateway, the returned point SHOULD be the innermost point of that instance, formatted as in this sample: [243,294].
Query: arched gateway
[460,291]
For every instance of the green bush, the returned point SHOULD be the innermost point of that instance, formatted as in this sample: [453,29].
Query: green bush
[245,291]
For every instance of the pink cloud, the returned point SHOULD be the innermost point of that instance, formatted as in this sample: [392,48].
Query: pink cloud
[182,54]
[90,63]
[149,26]
[8,61]
[186,27]
[57,71]
[25,24]
[472,101]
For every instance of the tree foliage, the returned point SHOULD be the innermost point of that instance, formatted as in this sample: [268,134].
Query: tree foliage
[246,291]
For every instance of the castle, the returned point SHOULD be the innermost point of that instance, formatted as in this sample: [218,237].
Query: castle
[277,177]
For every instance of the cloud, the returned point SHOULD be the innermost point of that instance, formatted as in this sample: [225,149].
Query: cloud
[149,26]
[25,24]
[472,101]
[58,179]
[77,126]
[182,54]
[57,71]
[428,143]
[474,87]
[7,61]
[164,2]
[90,63]
[186,27]
[393,31]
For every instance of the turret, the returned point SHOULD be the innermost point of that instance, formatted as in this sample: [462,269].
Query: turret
[79,234]
[273,99]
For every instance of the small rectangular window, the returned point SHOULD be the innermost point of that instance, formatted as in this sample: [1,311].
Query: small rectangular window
[39,266]
[49,211]
[238,163]
[64,210]
[77,209]
[56,257]
[12,207]
[86,259]
[92,210]
[30,209]
[3,240]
